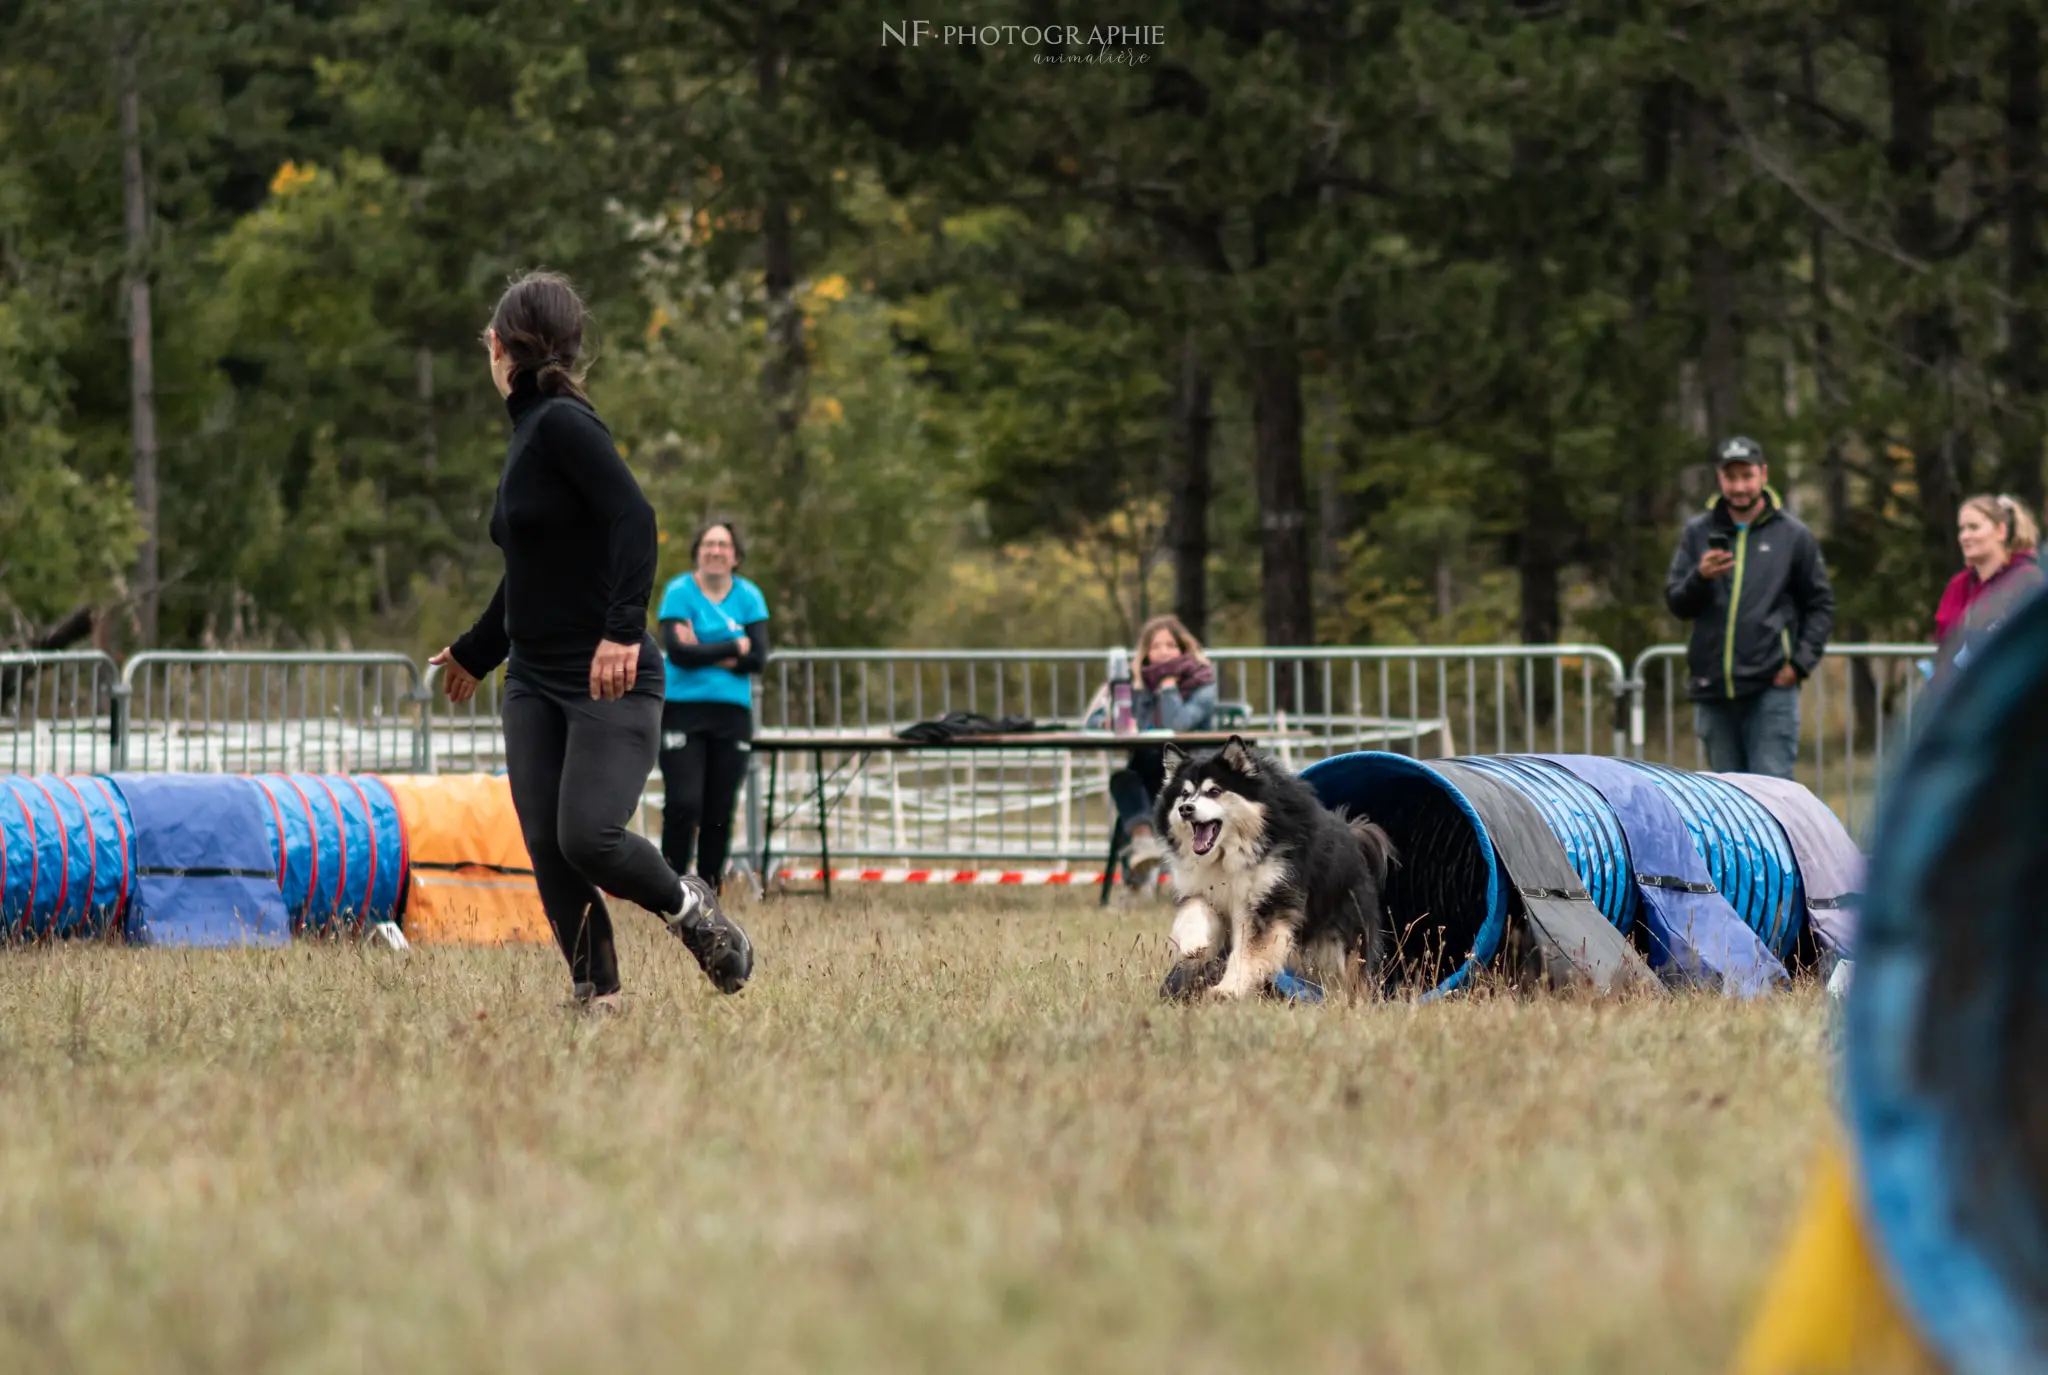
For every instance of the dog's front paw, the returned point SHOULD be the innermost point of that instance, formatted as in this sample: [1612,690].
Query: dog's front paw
[1190,978]
[1234,985]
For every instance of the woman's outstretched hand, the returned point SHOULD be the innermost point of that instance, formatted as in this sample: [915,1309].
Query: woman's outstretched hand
[458,682]
[612,670]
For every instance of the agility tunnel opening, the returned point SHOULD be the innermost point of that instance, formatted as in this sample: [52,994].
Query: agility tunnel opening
[1947,1019]
[1445,896]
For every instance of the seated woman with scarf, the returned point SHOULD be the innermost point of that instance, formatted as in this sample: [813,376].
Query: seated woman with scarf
[1176,690]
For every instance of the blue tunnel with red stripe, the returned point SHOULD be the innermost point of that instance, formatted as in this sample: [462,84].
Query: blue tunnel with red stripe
[65,863]
[339,848]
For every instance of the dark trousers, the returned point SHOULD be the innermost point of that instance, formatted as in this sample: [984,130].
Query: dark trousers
[577,769]
[705,750]
[1754,734]
[1135,787]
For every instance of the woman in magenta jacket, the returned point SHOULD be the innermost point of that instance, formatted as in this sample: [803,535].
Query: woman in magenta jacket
[1997,535]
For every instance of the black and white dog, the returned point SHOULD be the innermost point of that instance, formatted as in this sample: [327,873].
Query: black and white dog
[1268,879]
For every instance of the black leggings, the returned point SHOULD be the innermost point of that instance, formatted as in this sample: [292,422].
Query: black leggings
[1135,787]
[704,757]
[577,769]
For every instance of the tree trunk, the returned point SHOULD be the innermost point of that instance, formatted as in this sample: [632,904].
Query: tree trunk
[1638,551]
[1845,531]
[141,355]
[1282,489]
[1333,513]
[430,437]
[1835,464]
[2021,433]
[1285,596]
[785,375]
[1924,333]
[1189,487]
[1717,291]
[1540,547]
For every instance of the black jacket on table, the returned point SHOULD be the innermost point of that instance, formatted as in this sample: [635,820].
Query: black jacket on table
[1773,608]
[579,543]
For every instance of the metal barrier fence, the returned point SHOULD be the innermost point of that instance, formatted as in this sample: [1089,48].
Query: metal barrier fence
[269,713]
[462,738]
[57,712]
[80,712]
[469,737]
[1855,715]
[1052,807]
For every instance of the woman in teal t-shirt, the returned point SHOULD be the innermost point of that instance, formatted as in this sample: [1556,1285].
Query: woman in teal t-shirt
[714,632]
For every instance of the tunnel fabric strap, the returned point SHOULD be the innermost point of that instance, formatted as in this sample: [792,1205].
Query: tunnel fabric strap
[1573,940]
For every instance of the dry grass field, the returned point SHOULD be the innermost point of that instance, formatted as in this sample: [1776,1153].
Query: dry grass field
[943,1131]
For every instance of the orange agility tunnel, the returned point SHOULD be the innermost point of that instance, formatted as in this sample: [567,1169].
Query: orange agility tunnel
[471,878]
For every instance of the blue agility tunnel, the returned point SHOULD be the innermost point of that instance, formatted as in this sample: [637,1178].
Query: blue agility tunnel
[1576,851]
[65,865]
[1692,936]
[1947,1020]
[204,873]
[338,846]
[1592,836]
[1447,896]
[1477,861]
[1557,935]
[1747,853]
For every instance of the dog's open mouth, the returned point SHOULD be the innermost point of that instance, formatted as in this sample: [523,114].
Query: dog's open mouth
[1205,835]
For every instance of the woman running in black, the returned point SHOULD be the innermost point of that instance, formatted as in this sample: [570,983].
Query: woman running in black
[583,678]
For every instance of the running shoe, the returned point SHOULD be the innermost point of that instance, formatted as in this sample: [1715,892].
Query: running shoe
[721,947]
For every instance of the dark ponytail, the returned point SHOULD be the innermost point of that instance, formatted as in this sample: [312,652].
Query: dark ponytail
[539,323]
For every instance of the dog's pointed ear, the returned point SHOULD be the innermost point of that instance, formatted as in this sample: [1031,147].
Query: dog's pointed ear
[1173,759]
[1240,757]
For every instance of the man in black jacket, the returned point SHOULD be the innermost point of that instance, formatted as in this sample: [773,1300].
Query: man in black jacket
[1750,579]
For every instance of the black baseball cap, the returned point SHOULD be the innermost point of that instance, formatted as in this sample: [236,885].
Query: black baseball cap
[1740,449]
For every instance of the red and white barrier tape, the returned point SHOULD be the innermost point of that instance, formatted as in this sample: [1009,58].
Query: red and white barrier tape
[1010,877]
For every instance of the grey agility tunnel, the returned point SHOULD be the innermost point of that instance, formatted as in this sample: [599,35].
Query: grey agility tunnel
[1830,865]
[1576,853]
[1947,1020]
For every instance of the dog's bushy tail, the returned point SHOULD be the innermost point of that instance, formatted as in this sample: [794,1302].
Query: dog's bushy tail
[1377,844]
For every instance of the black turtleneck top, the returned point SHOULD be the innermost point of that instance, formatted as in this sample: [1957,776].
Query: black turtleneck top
[579,542]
